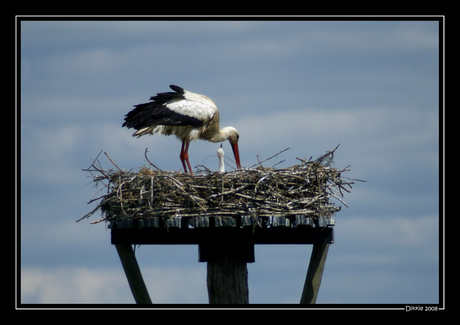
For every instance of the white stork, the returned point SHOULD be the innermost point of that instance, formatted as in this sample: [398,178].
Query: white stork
[187,115]
[220,155]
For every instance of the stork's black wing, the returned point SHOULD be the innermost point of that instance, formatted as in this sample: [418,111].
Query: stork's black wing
[157,112]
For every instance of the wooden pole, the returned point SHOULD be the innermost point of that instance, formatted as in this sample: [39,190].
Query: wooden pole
[133,274]
[314,273]
[227,277]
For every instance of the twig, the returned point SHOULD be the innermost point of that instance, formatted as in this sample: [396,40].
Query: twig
[336,197]
[89,214]
[95,159]
[151,163]
[303,160]
[97,221]
[98,169]
[105,153]
[209,171]
[229,192]
[276,154]
[279,162]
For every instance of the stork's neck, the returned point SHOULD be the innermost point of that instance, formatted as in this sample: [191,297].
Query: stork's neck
[221,165]
[221,135]
[220,154]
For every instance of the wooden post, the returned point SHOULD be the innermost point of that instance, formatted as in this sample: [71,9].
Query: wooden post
[133,274]
[227,277]
[314,273]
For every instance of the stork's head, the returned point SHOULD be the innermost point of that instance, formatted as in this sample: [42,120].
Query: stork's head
[231,134]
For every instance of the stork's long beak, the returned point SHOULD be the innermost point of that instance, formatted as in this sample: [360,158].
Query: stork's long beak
[237,154]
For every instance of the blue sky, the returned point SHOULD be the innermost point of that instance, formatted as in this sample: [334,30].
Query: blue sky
[372,86]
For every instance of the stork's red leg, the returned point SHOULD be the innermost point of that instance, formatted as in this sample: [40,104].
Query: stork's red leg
[184,157]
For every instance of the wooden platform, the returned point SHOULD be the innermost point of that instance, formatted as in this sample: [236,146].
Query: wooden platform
[199,230]
[226,244]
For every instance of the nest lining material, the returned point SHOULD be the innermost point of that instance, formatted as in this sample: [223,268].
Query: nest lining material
[304,189]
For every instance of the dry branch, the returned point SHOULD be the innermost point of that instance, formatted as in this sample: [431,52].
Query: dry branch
[304,189]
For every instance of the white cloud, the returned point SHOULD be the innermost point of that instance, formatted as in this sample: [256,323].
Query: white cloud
[109,285]
[46,154]
[391,231]
[74,285]
[409,200]
[381,138]
[366,259]
[377,285]
[388,259]
[85,64]
[60,109]
[56,156]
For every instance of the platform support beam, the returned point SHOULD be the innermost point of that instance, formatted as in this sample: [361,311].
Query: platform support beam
[133,274]
[314,273]
[227,277]
[227,274]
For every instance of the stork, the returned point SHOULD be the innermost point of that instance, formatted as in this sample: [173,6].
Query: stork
[187,115]
[220,155]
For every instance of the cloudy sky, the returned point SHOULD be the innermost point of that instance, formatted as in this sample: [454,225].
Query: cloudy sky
[372,86]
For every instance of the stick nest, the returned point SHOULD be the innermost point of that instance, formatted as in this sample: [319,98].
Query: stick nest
[303,189]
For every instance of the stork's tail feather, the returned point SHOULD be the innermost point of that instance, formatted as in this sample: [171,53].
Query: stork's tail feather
[134,117]
[147,130]
[177,89]
[142,114]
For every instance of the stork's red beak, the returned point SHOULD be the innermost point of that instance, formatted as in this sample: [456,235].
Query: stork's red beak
[237,154]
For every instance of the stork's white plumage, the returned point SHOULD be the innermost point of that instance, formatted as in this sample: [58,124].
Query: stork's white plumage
[220,154]
[187,115]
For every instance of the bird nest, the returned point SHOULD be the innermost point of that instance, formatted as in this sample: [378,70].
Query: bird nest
[305,189]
